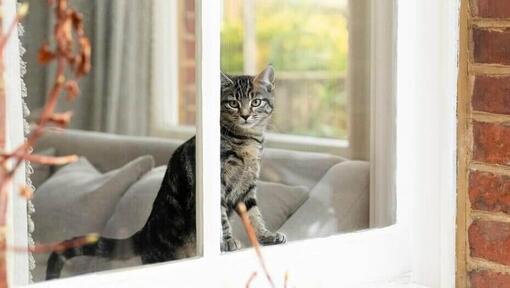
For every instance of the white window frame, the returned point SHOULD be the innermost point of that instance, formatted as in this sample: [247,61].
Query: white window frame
[419,249]
[18,263]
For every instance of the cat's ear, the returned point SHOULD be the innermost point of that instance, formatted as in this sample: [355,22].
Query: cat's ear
[266,78]
[225,79]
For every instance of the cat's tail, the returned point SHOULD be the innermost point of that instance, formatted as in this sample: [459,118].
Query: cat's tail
[103,247]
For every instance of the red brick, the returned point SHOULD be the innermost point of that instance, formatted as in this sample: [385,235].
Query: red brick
[491,143]
[190,75]
[492,94]
[189,23]
[490,240]
[488,279]
[189,48]
[189,5]
[492,8]
[491,46]
[489,192]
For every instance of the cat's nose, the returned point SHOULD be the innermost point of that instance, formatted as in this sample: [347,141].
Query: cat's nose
[245,117]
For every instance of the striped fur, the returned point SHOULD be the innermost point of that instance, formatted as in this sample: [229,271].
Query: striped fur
[169,233]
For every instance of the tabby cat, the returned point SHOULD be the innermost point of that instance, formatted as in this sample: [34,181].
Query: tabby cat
[169,233]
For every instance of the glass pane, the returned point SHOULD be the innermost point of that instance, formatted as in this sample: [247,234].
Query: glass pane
[132,128]
[297,75]
[307,42]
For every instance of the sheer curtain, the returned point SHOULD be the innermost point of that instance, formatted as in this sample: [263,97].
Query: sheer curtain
[116,94]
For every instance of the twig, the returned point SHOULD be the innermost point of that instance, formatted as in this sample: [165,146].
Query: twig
[60,246]
[69,22]
[252,277]
[243,213]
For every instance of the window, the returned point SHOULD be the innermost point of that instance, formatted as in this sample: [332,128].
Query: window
[414,250]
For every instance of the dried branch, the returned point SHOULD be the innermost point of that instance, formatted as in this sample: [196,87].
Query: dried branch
[72,55]
[243,213]
[252,277]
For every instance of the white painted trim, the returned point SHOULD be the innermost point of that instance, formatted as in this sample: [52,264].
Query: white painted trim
[382,112]
[208,128]
[18,272]
[346,260]
[434,203]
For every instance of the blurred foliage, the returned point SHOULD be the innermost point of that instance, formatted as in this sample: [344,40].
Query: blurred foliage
[297,36]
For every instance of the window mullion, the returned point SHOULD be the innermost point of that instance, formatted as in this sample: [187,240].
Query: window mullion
[208,129]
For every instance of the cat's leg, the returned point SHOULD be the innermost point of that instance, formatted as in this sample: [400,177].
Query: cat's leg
[228,243]
[264,236]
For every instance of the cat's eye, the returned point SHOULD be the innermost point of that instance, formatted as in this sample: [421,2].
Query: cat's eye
[233,104]
[256,103]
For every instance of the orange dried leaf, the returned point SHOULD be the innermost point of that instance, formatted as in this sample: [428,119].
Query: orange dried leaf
[45,55]
[72,89]
[77,20]
[26,192]
[61,119]
[83,60]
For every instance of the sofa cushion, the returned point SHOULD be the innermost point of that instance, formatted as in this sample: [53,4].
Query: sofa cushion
[78,199]
[276,201]
[133,209]
[339,203]
[296,167]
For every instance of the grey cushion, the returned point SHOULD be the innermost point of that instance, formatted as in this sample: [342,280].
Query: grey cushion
[296,168]
[338,203]
[135,206]
[86,198]
[42,172]
[78,200]
[121,149]
[276,201]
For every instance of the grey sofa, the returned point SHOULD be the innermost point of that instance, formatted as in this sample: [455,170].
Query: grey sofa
[337,189]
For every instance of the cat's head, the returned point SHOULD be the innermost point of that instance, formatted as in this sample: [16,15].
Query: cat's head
[247,101]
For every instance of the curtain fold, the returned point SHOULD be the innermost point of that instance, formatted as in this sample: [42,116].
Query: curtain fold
[116,94]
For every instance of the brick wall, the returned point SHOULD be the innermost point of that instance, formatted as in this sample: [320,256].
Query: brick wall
[484,145]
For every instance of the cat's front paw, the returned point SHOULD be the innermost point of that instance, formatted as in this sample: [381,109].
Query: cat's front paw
[272,238]
[230,244]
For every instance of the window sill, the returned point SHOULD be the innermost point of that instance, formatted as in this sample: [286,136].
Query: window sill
[357,259]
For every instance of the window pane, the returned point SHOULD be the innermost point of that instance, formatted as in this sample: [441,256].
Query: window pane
[307,43]
[135,191]
[319,81]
